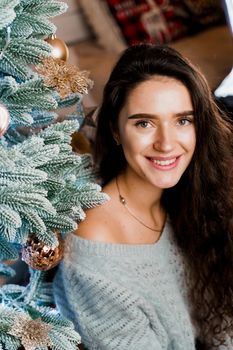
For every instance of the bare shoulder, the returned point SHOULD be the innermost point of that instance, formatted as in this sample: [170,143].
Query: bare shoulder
[100,222]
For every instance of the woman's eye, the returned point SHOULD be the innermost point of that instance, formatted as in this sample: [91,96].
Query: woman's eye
[184,121]
[142,123]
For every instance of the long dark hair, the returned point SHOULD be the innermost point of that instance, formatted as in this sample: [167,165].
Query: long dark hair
[200,206]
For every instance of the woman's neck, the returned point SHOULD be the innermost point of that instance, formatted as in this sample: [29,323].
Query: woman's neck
[142,199]
[140,192]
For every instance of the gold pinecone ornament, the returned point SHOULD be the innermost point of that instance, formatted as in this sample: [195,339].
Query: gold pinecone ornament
[40,256]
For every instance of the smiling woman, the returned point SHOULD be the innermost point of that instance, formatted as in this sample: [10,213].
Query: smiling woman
[152,267]
[156,131]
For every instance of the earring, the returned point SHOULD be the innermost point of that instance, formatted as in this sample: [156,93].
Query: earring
[117,140]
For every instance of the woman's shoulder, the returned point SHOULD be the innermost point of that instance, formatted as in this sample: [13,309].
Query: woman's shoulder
[100,223]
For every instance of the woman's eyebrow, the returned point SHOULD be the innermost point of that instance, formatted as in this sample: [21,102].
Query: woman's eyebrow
[185,113]
[154,116]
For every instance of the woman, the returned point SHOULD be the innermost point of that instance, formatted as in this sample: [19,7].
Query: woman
[152,267]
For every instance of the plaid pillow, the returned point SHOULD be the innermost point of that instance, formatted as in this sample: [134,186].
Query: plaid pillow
[146,20]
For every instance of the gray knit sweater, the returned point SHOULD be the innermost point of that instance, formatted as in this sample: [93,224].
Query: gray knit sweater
[127,297]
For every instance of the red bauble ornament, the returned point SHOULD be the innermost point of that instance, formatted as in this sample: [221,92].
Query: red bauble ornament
[4,119]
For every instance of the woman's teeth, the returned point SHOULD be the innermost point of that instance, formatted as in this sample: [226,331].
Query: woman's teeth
[164,162]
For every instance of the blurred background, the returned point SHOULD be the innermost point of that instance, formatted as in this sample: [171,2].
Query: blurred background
[96,31]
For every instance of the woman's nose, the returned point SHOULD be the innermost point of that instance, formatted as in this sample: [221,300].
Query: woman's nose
[164,139]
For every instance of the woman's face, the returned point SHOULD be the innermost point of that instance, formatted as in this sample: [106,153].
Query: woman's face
[156,131]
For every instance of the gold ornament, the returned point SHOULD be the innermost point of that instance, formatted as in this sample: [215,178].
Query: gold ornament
[80,143]
[4,119]
[59,48]
[64,78]
[32,333]
[41,256]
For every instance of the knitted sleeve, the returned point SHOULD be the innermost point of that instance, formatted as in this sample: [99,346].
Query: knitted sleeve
[105,312]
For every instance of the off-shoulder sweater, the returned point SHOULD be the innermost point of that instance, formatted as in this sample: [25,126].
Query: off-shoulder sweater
[124,296]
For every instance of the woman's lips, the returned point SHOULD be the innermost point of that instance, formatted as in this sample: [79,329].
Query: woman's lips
[164,163]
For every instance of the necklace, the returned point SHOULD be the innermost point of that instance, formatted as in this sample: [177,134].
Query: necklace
[123,202]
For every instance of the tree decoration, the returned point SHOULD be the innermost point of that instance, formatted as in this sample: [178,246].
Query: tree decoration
[41,256]
[44,186]
[32,333]
[80,144]
[59,48]
[64,78]
[4,119]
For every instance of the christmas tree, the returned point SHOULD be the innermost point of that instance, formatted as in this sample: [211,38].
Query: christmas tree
[44,185]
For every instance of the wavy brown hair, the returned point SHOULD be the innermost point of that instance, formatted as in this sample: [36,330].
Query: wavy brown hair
[200,206]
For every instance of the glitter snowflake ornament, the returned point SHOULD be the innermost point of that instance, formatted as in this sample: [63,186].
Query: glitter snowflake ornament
[63,77]
[32,333]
